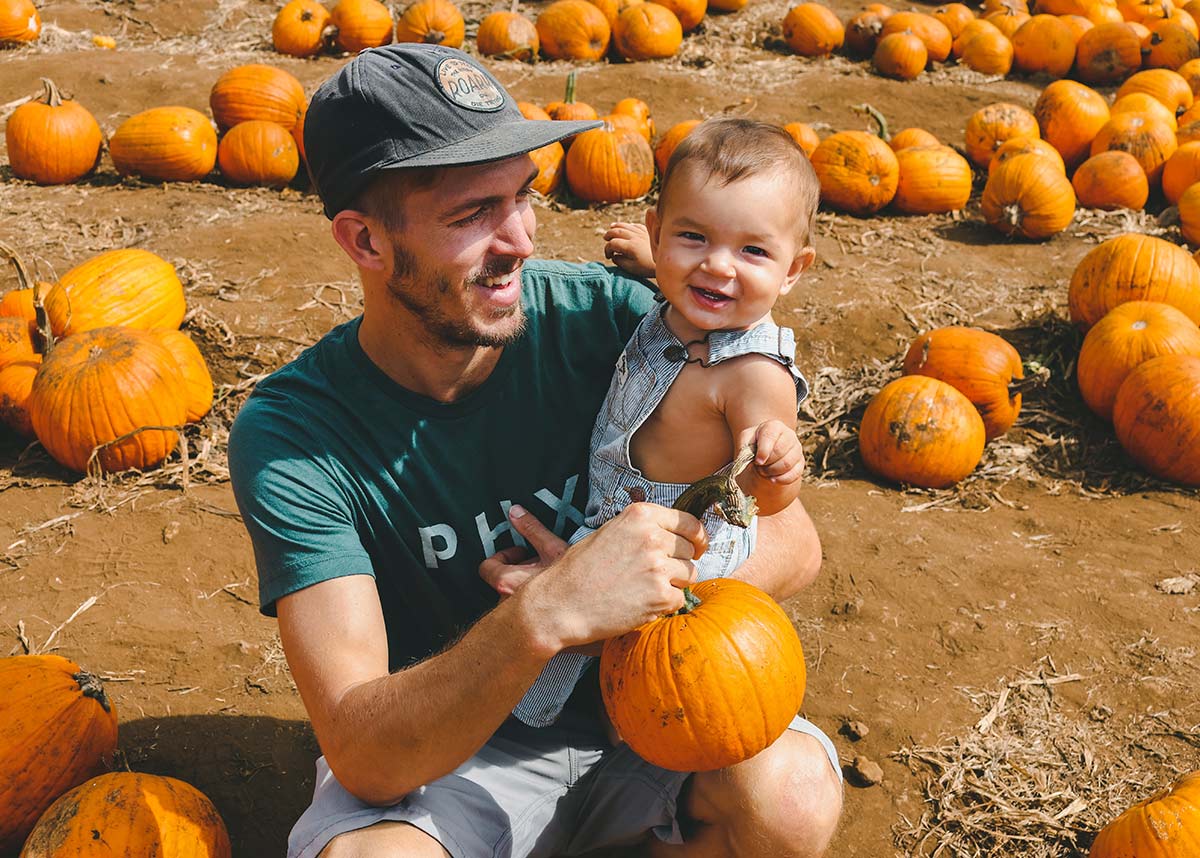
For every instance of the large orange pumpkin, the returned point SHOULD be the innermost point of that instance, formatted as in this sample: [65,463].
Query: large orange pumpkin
[982,366]
[610,164]
[813,30]
[57,729]
[1028,196]
[647,31]
[107,384]
[131,286]
[258,152]
[19,21]
[900,55]
[193,367]
[989,127]
[1129,334]
[1070,115]
[1156,416]
[131,813]
[1161,826]
[507,34]
[921,431]
[573,30]
[1044,44]
[1108,53]
[1146,138]
[1111,180]
[987,52]
[1168,87]
[256,91]
[709,686]
[299,28]
[360,24]
[932,179]
[170,144]
[52,140]
[1133,267]
[858,172]
[434,22]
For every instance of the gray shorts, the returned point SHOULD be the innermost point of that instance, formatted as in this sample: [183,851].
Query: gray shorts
[529,792]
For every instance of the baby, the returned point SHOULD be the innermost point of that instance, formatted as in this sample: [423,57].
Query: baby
[707,371]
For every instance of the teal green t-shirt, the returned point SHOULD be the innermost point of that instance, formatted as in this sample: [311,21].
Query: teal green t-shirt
[338,470]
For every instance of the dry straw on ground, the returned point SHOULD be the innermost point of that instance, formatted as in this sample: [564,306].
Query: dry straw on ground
[1038,776]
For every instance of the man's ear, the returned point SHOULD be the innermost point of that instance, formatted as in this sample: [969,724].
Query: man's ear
[653,228]
[360,237]
[803,259]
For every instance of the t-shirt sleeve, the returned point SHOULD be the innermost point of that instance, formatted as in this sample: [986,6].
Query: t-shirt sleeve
[298,513]
[631,300]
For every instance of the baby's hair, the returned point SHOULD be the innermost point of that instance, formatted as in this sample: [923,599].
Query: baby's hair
[728,149]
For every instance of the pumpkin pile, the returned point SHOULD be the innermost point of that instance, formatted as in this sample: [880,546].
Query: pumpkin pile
[1138,299]
[961,387]
[58,734]
[95,366]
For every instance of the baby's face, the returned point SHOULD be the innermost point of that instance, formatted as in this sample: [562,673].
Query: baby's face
[724,254]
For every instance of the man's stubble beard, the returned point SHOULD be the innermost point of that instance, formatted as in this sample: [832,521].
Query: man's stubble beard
[417,292]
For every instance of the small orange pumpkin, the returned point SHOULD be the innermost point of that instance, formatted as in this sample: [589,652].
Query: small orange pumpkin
[1133,267]
[1108,53]
[667,143]
[1189,214]
[256,91]
[1070,115]
[1168,46]
[1014,146]
[507,34]
[126,811]
[171,144]
[360,24]
[1156,416]
[647,31]
[932,179]
[19,21]
[804,135]
[862,33]
[689,12]
[299,28]
[1190,72]
[1111,180]
[900,55]
[1149,140]
[991,126]
[1181,171]
[609,164]
[549,161]
[813,30]
[954,16]
[57,729]
[972,29]
[933,33]
[1028,196]
[1145,104]
[1007,21]
[858,172]
[1044,44]
[1168,87]
[613,8]
[573,30]
[1129,335]
[987,52]
[569,108]
[1161,826]
[52,140]
[258,152]
[921,431]
[982,366]
[130,287]
[912,137]
[434,22]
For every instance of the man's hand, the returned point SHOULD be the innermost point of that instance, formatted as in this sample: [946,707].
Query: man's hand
[778,455]
[509,568]
[628,246]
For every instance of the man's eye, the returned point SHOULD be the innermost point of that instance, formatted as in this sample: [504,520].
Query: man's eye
[471,218]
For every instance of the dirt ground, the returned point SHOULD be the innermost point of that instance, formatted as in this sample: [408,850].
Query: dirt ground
[1028,595]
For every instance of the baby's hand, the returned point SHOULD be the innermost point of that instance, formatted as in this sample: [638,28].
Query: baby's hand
[778,456]
[628,246]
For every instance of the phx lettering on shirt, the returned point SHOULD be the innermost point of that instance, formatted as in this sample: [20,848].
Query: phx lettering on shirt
[440,542]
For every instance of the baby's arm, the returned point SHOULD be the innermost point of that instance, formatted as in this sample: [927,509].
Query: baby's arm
[759,399]
[628,246]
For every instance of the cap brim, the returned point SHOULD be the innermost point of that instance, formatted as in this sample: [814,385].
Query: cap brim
[498,142]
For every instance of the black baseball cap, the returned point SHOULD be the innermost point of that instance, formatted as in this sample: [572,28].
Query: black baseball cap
[413,105]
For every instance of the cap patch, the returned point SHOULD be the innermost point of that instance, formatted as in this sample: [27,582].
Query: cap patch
[467,86]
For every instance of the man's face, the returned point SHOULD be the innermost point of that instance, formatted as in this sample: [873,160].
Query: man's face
[456,265]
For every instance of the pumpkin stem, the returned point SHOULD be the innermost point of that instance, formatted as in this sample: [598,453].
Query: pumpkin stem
[569,97]
[92,686]
[44,338]
[881,123]
[51,93]
[435,37]
[1039,376]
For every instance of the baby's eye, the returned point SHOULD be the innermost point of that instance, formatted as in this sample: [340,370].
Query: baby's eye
[755,251]
[691,236]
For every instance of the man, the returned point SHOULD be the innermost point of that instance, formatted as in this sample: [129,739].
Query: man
[427,450]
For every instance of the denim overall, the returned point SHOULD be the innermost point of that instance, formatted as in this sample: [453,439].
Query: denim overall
[645,370]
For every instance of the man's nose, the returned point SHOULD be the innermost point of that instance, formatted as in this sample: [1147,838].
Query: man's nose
[514,238]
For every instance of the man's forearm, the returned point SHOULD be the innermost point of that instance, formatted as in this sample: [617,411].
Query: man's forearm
[787,556]
[400,731]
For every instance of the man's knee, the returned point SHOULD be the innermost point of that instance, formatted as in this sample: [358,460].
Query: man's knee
[383,840]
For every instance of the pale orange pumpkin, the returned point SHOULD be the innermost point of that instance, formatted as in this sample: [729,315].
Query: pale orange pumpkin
[1028,196]
[921,431]
[931,180]
[52,139]
[256,91]
[1111,180]
[900,55]
[57,729]
[1108,53]
[258,152]
[858,172]
[573,30]
[640,111]
[647,31]
[991,126]
[299,28]
[1133,267]
[131,813]
[172,144]
[1156,416]
[813,30]
[1070,115]
[434,22]
[507,34]
[1129,334]
[982,366]
[360,24]
[607,165]
[130,287]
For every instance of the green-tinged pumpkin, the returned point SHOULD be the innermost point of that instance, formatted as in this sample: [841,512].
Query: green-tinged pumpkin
[921,431]
[980,365]
[1129,335]
[57,729]
[1156,416]
[169,144]
[106,384]
[131,287]
[1133,267]
[708,688]
[52,140]
[131,813]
